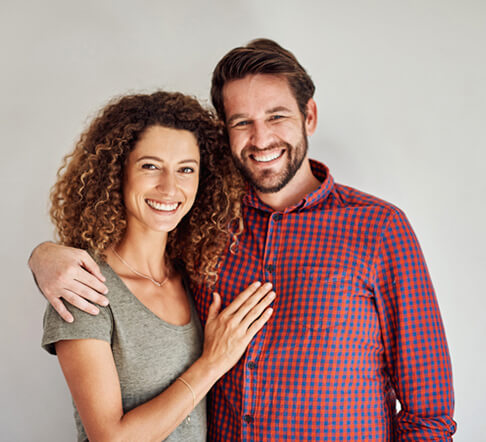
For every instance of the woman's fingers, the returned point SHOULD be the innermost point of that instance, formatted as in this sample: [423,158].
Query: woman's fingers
[258,309]
[228,332]
[214,308]
[251,301]
[256,326]
[242,297]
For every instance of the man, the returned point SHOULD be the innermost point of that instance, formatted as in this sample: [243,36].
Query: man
[356,324]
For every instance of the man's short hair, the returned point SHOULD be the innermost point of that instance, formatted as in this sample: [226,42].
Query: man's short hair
[261,56]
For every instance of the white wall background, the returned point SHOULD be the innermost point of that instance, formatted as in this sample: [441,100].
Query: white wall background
[402,106]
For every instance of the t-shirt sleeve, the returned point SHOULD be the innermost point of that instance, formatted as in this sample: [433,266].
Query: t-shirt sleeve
[84,326]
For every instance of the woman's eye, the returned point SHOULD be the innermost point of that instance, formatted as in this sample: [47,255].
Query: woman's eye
[187,170]
[149,166]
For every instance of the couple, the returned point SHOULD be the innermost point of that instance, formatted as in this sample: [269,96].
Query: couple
[355,323]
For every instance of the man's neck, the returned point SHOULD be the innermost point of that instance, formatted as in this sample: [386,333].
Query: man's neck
[303,183]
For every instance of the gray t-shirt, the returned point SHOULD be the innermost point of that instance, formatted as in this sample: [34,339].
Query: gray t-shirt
[149,353]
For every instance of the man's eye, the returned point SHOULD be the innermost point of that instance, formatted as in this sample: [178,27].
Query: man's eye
[241,123]
[149,166]
[276,117]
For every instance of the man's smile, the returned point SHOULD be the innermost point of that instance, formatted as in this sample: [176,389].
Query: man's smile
[266,156]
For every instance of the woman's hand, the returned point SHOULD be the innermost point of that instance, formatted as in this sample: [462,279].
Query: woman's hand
[228,333]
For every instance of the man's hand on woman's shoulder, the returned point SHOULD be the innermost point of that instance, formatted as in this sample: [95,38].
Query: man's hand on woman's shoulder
[67,273]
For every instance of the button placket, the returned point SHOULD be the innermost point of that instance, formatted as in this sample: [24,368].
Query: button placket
[270,252]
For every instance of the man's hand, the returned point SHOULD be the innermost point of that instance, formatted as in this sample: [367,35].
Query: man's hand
[65,272]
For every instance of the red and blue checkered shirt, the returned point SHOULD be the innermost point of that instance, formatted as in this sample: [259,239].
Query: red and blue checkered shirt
[356,326]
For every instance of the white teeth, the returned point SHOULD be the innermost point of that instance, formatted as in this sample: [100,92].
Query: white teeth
[267,158]
[162,206]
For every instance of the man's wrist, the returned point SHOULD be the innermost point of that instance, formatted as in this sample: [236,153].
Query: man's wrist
[34,251]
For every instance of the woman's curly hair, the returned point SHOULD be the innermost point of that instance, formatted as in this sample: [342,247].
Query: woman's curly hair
[87,205]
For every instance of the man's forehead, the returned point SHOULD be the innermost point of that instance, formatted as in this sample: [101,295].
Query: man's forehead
[261,92]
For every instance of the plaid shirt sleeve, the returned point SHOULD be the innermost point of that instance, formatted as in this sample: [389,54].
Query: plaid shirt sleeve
[416,353]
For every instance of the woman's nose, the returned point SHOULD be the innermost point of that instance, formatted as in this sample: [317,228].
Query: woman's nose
[167,184]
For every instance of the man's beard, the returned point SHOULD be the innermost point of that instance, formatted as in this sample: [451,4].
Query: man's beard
[295,157]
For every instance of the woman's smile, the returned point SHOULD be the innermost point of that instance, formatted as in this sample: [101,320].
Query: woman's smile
[162,207]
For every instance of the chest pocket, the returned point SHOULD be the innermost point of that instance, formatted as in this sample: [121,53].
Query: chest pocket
[319,298]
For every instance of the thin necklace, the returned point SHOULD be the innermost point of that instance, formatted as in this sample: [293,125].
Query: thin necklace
[143,275]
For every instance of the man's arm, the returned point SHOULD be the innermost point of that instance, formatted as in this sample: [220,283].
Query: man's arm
[71,274]
[416,349]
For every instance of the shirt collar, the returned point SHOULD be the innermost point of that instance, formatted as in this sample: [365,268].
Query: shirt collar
[320,171]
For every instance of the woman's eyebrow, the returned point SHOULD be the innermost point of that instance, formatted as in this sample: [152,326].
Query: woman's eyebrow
[160,160]
[149,157]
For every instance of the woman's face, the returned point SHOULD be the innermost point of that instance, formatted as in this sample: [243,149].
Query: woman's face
[161,178]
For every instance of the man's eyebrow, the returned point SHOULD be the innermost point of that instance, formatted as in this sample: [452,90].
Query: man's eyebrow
[278,109]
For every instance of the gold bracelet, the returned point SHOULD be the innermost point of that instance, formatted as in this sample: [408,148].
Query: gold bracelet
[190,389]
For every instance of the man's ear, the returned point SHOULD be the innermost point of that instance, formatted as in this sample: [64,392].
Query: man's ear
[311,117]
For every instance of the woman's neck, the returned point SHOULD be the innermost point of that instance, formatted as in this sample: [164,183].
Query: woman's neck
[142,251]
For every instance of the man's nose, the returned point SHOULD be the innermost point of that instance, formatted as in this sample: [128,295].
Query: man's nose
[167,183]
[261,135]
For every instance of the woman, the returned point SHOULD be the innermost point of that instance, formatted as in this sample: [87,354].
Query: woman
[136,370]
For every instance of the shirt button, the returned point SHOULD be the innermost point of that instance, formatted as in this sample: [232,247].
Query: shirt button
[248,419]
[278,217]
[270,268]
[251,365]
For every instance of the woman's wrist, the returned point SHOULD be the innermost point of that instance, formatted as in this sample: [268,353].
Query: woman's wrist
[203,374]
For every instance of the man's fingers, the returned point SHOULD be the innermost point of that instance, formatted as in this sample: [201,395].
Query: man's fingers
[60,308]
[84,276]
[80,303]
[86,292]
[92,267]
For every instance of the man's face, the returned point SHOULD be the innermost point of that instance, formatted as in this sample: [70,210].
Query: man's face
[267,132]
